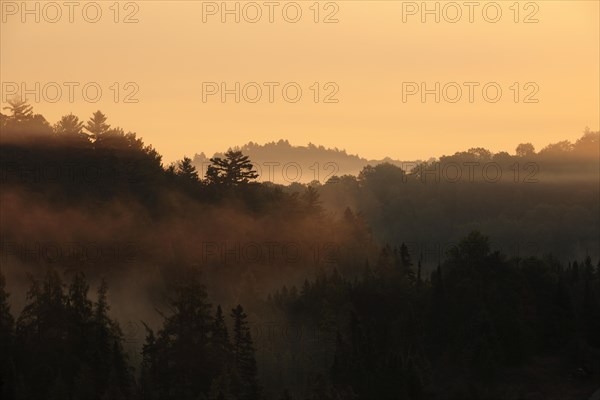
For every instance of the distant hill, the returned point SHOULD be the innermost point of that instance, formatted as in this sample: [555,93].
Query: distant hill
[284,163]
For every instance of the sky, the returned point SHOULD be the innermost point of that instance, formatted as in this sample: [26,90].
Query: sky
[504,72]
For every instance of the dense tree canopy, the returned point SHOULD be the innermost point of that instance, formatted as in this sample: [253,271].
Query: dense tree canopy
[383,285]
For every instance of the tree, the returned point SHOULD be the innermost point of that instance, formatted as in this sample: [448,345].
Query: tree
[97,125]
[113,377]
[6,319]
[3,120]
[41,332]
[557,149]
[80,334]
[77,299]
[187,171]
[22,123]
[180,354]
[480,153]
[69,125]
[7,371]
[246,385]
[525,150]
[587,145]
[70,347]
[404,264]
[220,339]
[150,373]
[235,169]
[21,111]
[312,202]
[70,130]
[405,256]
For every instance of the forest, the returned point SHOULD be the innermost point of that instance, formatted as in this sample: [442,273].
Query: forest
[471,276]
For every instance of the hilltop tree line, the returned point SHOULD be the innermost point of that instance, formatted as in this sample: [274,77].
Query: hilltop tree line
[22,125]
[522,201]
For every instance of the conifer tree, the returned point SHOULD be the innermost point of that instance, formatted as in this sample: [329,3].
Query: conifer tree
[7,367]
[97,126]
[233,170]
[19,108]
[246,385]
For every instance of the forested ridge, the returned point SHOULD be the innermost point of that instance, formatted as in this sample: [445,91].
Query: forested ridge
[392,284]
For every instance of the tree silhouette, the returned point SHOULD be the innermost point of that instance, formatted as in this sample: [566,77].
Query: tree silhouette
[97,126]
[3,120]
[69,347]
[19,108]
[172,358]
[220,340]
[312,201]
[525,150]
[7,366]
[245,385]
[69,125]
[70,130]
[235,169]
[187,171]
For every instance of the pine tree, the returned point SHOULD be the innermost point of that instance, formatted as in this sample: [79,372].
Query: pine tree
[407,263]
[42,332]
[234,170]
[77,299]
[437,321]
[80,332]
[187,171]
[69,125]
[182,349]
[110,360]
[220,340]
[97,126]
[6,319]
[312,202]
[150,379]
[101,306]
[21,111]
[246,385]
[7,371]
[70,130]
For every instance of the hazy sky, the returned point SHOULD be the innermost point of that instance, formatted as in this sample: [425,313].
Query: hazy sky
[369,56]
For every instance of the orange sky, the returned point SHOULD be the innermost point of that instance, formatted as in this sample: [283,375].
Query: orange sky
[367,54]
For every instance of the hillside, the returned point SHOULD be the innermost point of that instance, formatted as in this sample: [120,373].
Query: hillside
[283,163]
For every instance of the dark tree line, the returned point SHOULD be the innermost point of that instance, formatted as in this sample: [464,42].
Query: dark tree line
[63,345]
[520,200]
[74,161]
[66,346]
[394,335]
[193,354]
[80,163]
